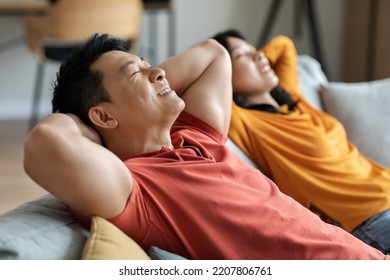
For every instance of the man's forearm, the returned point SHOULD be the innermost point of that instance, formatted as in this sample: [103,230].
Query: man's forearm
[83,129]
[185,68]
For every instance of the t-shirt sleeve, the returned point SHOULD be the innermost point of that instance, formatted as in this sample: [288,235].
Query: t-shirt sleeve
[134,214]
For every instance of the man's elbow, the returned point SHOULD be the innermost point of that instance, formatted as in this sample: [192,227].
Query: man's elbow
[33,144]
[30,143]
[223,59]
[220,50]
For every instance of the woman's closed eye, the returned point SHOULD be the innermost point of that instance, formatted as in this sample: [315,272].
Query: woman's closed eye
[245,53]
[238,56]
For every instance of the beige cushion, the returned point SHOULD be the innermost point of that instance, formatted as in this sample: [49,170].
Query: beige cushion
[107,242]
[364,110]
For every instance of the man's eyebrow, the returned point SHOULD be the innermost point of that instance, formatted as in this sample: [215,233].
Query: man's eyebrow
[125,65]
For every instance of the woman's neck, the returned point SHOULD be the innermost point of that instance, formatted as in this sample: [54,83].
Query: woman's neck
[264,98]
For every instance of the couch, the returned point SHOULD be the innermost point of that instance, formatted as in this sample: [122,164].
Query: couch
[44,229]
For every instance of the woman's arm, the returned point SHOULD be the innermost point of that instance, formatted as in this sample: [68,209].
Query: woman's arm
[282,55]
[66,158]
[201,75]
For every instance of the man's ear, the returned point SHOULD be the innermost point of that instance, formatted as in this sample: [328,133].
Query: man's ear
[101,118]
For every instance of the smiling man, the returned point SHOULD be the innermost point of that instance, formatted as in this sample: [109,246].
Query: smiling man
[144,147]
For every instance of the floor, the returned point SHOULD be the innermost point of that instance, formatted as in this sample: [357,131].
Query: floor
[15,186]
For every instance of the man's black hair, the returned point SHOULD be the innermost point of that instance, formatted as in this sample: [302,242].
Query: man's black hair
[78,88]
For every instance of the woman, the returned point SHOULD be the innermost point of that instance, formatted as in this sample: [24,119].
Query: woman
[304,150]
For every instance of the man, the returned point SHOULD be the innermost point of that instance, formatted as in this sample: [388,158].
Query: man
[146,151]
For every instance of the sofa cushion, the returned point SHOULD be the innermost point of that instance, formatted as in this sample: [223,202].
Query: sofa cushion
[363,108]
[42,229]
[107,242]
[156,253]
[311,77]
[235,149]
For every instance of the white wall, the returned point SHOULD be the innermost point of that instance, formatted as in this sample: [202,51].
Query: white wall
[195,20]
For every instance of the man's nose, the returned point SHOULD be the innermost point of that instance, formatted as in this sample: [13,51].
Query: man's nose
[157,74]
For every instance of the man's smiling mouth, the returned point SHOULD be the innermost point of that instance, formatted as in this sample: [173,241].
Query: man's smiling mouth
[164,91]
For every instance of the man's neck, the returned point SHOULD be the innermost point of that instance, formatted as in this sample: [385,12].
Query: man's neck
[122,144]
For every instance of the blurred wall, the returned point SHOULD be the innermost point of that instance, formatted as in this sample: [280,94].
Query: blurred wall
[194,20]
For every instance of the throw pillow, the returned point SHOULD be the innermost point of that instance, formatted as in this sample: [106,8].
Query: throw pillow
[107,242]
[363,108]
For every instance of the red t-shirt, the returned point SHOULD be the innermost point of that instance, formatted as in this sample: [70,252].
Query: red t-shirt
[201,201]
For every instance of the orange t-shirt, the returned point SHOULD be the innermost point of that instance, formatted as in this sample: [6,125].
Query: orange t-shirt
[201,201]
[307,154]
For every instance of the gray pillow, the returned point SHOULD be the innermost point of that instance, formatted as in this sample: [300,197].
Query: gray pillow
[364,110]
[42,229]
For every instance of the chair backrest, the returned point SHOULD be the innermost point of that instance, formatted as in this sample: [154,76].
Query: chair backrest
[80,18]
[72,21]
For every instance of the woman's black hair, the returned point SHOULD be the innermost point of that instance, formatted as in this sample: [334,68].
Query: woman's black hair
[222,37]
[77,87]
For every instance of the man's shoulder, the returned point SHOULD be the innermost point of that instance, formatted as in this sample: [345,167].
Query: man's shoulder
[187,125]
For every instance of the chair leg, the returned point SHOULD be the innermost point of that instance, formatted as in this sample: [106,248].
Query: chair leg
[37,96]
[315,36]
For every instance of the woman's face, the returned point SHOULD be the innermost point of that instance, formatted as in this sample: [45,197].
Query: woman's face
[252,74]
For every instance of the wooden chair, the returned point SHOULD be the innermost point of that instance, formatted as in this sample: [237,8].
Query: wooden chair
[68,23]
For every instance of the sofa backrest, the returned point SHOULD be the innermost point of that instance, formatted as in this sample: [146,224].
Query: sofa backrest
[311,78]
